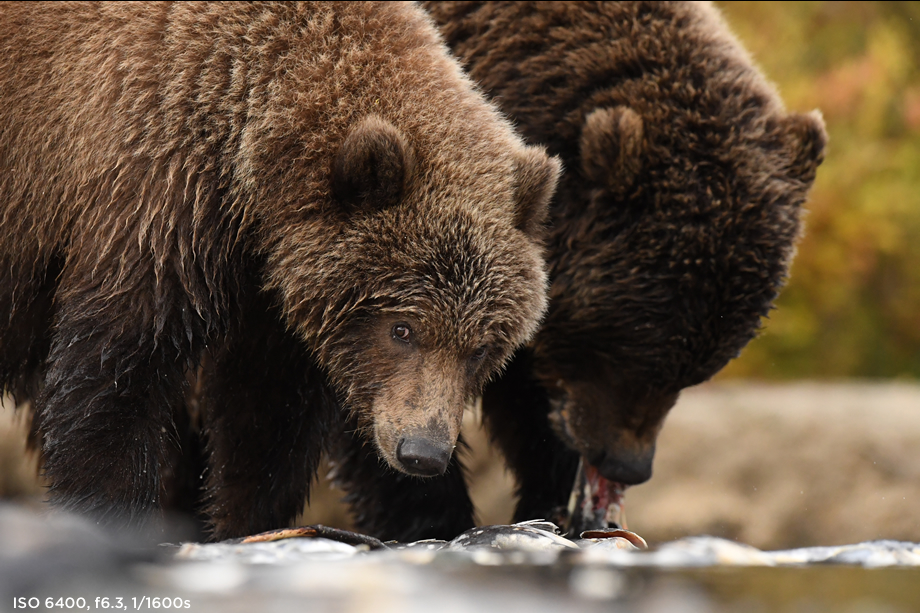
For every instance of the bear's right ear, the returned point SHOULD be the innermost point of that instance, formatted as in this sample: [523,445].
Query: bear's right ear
[537,175]
[612,146]
[807,140]
[373,165]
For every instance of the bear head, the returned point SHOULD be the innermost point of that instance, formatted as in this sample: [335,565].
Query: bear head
[427,287]
[433,290]
[419,273]
[673,234]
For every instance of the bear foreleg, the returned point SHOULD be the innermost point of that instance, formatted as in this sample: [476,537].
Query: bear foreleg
[27,308]
[515,410]
[267,411]
[120,346]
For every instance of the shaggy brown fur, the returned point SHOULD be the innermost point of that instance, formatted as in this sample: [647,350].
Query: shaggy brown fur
[309,193]
[672,229]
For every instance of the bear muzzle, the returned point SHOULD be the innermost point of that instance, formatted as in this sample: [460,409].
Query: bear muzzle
[613,426]
[416,428]
[423,456]
[626,467]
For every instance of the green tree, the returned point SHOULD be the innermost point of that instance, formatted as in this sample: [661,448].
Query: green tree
[851,307]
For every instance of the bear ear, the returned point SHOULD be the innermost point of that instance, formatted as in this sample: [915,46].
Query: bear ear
[537,175]
[373,165]
[612,146]
[807,140]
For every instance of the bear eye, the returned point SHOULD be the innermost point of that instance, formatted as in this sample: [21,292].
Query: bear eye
[401,332]
[479,354]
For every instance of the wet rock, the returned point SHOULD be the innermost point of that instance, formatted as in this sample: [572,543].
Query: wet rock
[287,550]
[535,535]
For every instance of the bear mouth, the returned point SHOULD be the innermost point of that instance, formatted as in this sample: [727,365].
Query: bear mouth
[596,503]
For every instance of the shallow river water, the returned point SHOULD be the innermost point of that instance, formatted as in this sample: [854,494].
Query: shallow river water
[64,564]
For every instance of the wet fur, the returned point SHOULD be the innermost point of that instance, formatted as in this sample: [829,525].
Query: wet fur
[188,181]
[672,229]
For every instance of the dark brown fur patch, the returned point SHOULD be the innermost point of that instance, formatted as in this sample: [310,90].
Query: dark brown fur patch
[672,229]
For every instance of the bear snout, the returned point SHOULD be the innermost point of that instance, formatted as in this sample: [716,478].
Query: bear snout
[624,467]
[422,456]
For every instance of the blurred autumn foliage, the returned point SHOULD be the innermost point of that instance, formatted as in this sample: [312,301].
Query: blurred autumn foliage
[851,307]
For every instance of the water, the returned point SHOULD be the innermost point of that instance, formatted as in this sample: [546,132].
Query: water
[503,569]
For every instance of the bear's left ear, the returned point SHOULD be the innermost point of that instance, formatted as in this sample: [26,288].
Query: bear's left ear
[537,175]
[373,165]
[807,139]
[612,147]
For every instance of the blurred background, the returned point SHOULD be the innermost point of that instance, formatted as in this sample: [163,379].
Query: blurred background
[812,436]
[852,304]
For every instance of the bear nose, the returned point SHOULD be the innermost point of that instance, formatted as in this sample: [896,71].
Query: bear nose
[420,456]
[628,469]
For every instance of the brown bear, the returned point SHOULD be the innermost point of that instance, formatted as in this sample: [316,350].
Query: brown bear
[312,196]
[671,231]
